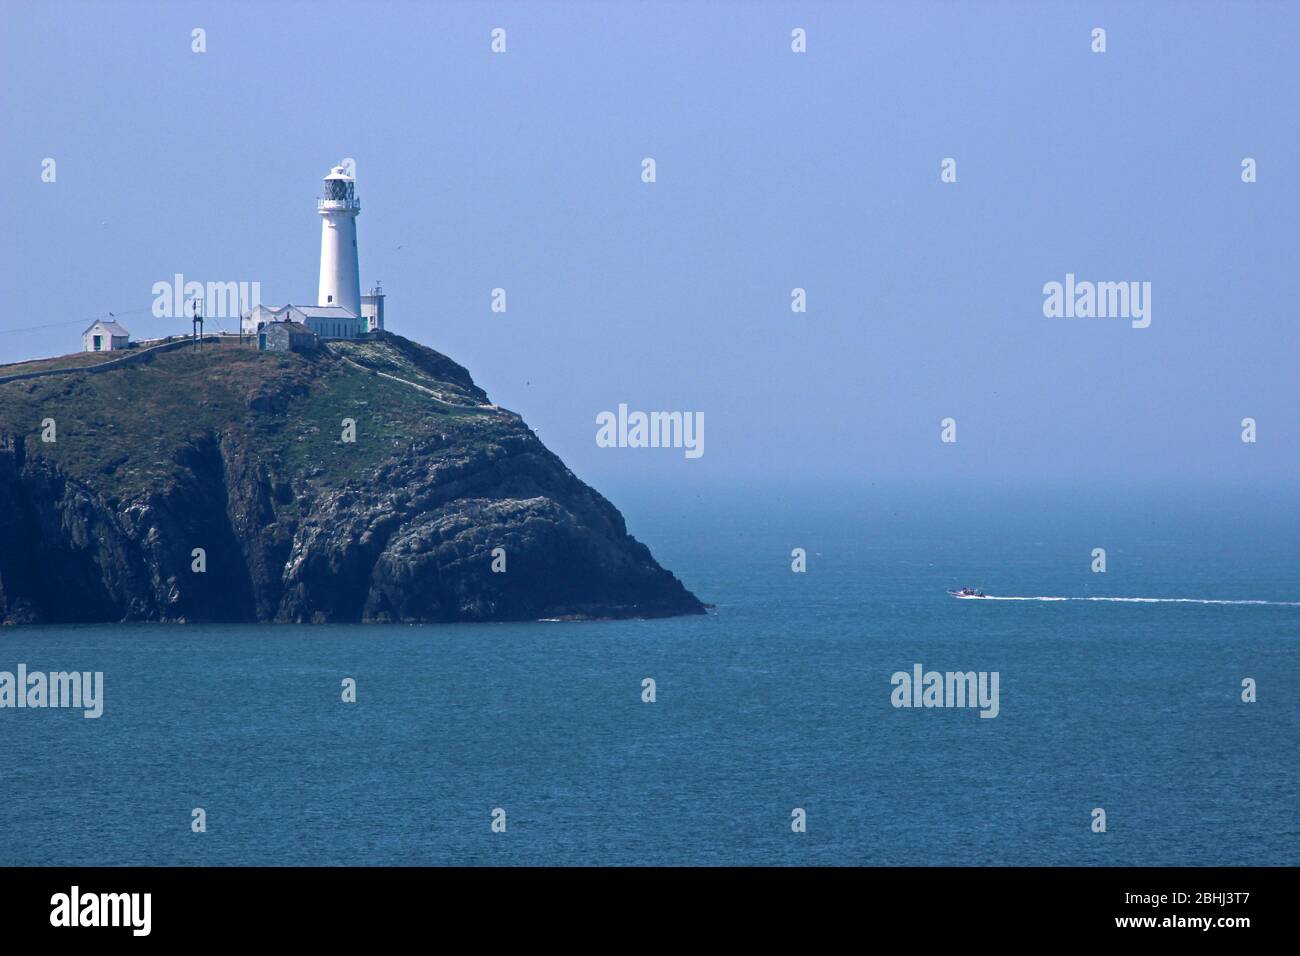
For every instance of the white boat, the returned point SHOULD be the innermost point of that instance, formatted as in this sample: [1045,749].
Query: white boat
[967,594]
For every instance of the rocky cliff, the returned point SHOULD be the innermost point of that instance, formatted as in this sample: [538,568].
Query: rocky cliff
[222,485]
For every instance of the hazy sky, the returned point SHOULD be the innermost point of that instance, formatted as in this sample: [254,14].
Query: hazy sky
[775,170]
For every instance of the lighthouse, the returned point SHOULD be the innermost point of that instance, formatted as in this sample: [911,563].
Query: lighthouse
[340,279]
[341,312]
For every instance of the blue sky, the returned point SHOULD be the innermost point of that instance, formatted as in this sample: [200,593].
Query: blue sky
[775,171]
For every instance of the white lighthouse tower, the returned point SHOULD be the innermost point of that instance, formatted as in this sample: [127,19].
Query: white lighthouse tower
[340,279]
[342,312]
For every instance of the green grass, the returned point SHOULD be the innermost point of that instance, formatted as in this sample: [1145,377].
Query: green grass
[383,356]
[74,360]
[388,416]
[121,429]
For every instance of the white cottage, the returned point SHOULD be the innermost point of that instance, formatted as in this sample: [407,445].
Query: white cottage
[105,337]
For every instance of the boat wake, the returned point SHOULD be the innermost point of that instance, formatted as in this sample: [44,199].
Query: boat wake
[1138,600]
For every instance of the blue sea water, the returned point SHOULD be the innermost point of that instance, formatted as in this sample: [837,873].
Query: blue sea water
[780,699]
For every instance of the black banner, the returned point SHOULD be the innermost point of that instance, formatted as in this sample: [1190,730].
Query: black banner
[331,905]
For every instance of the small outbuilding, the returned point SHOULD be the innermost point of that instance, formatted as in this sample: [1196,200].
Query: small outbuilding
[287,337]
[105,337]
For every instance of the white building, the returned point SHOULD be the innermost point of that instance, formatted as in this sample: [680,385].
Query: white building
[105,337]
[372,309]
[329,322]
[341,311]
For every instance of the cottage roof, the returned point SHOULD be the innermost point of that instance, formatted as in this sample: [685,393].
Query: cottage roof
[112,328]
[325,312]
[308,311]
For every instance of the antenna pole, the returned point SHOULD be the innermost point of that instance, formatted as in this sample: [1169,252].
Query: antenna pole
[196,324]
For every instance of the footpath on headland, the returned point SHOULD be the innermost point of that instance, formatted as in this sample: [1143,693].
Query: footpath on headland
[132,357]
[416,385]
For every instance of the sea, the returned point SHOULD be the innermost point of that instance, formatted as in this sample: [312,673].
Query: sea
[772,738]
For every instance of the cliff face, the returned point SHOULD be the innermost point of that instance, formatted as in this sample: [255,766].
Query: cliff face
[242,454]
